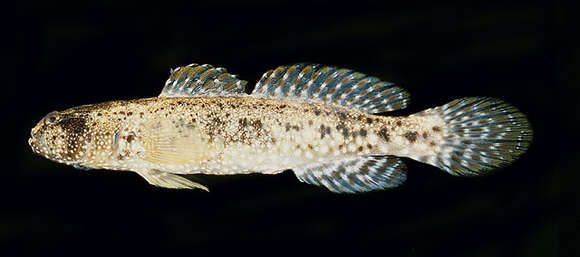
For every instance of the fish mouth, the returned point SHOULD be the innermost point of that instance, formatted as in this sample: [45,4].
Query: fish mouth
[35,142]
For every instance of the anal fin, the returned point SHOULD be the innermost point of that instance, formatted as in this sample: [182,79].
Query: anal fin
[168,180]
[362,174]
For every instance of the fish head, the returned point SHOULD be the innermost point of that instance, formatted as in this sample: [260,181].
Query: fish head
[64,137]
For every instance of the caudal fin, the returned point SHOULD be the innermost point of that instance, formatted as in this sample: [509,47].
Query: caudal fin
[480,134]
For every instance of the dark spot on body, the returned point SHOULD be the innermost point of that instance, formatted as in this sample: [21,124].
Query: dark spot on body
[310,147]
[369,146]
[130,138]
[343,129]
[317,112]
[411,136]
[324,131]
[384,134]
[310,122]
[363,132]
[436,128]
[342,116]
[369,120]
[398,123]
[257,124]
[243,122]
[432,143]
[425,135]
[360,148]
[217,122]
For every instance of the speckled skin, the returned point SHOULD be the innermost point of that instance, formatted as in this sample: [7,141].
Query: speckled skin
[226,135]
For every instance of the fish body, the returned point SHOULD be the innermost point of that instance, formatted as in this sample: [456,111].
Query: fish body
[317,121]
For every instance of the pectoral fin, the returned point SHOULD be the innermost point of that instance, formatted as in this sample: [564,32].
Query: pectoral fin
[168,180]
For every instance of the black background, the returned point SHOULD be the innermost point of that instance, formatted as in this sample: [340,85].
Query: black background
[59,57]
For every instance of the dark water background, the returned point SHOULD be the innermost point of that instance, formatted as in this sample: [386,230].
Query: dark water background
[60,57]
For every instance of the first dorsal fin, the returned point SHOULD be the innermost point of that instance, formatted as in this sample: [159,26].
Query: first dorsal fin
[202,80]
[331,85]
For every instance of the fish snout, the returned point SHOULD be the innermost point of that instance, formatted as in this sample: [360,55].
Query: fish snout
[35,141]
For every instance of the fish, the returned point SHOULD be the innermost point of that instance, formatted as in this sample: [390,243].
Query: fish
[324,123]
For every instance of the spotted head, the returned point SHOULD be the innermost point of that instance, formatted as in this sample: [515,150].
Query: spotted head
[72,137]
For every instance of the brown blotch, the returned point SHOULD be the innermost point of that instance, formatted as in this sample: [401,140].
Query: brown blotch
[324,131]
[399,123]
[411,136]
[130,138]
[369,120]
[369,146]
[436,128]
[363,132]
[342,116]
[257,124]
[425,135]
[360,148]
[243,122]
[340,147]
[384,134]
[217,121]
[310,122]
[310,147]
[317,112]
[345,131]
[432,143]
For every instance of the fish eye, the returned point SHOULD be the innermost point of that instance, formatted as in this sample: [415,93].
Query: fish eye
[51,118]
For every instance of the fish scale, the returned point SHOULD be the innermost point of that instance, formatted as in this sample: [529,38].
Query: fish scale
[318,121]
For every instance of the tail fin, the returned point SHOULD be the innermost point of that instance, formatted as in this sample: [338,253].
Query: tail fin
[480,135]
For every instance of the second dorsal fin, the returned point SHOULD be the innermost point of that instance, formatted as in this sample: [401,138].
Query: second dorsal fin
[331,85]
[202,80]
